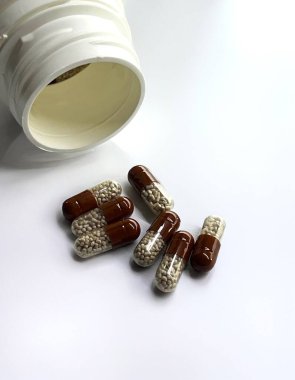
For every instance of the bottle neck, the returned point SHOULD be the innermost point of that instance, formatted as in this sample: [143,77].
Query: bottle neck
[53,38]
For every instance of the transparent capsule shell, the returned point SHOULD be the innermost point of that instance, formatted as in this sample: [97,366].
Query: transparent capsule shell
[169,273]
[214,226]
[93,244]
[174,261]
[156,238]
[157,198]
[88,222]
[106,191]
[149,248]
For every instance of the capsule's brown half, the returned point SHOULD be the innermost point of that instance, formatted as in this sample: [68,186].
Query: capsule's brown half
[181,244]
[83,202]
[139,177]
[205,253]
[123,232]
[118,208]
[166,224]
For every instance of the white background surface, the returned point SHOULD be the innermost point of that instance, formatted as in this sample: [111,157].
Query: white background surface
[217,127]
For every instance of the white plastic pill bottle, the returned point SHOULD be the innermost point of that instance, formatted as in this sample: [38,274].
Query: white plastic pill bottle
[68,70]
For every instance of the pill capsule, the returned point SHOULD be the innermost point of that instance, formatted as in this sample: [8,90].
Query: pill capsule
[174,261]
[205,251]
[106,213]
[90,199]
[150,189]
[106,238]
[156,238]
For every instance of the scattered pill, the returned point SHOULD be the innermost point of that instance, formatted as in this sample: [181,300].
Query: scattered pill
[150,189]
[109,237]
[174,261]
[106,213]
[89,199]
[156,238]
[207,246]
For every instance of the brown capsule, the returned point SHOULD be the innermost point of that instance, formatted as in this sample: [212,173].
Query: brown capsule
[107,213]
[73,207]
[150,189]
[118,208]
[140,177]
[89,199]
[207,246]
[123,232]
[155,239]
[107,238]
[174,261]
[205,253]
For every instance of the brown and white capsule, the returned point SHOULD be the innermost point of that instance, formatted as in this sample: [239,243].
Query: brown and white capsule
[156,238]
[107,238]
[107,213]
[207,246]
[150,189]
[174,261]
[89,199]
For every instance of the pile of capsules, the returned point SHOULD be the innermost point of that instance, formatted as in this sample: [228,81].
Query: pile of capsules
[101,222]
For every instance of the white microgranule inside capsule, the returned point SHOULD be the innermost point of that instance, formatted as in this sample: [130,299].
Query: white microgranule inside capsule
[156,197]
[148,249]
[92,244]
[106,191]
[169,272]
[88,222]
[214,226]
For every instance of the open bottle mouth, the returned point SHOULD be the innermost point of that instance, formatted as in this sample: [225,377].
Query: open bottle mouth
[84,106]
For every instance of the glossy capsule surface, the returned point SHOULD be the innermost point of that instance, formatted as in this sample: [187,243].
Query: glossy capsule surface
[89,199]
[150,189]
[156,238]
[174,261]
[107,238]
[206,249]
[107,213]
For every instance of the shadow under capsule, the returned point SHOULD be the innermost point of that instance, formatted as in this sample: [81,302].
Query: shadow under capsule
[157,293]
[200,277]
[64,224]
[135,267]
